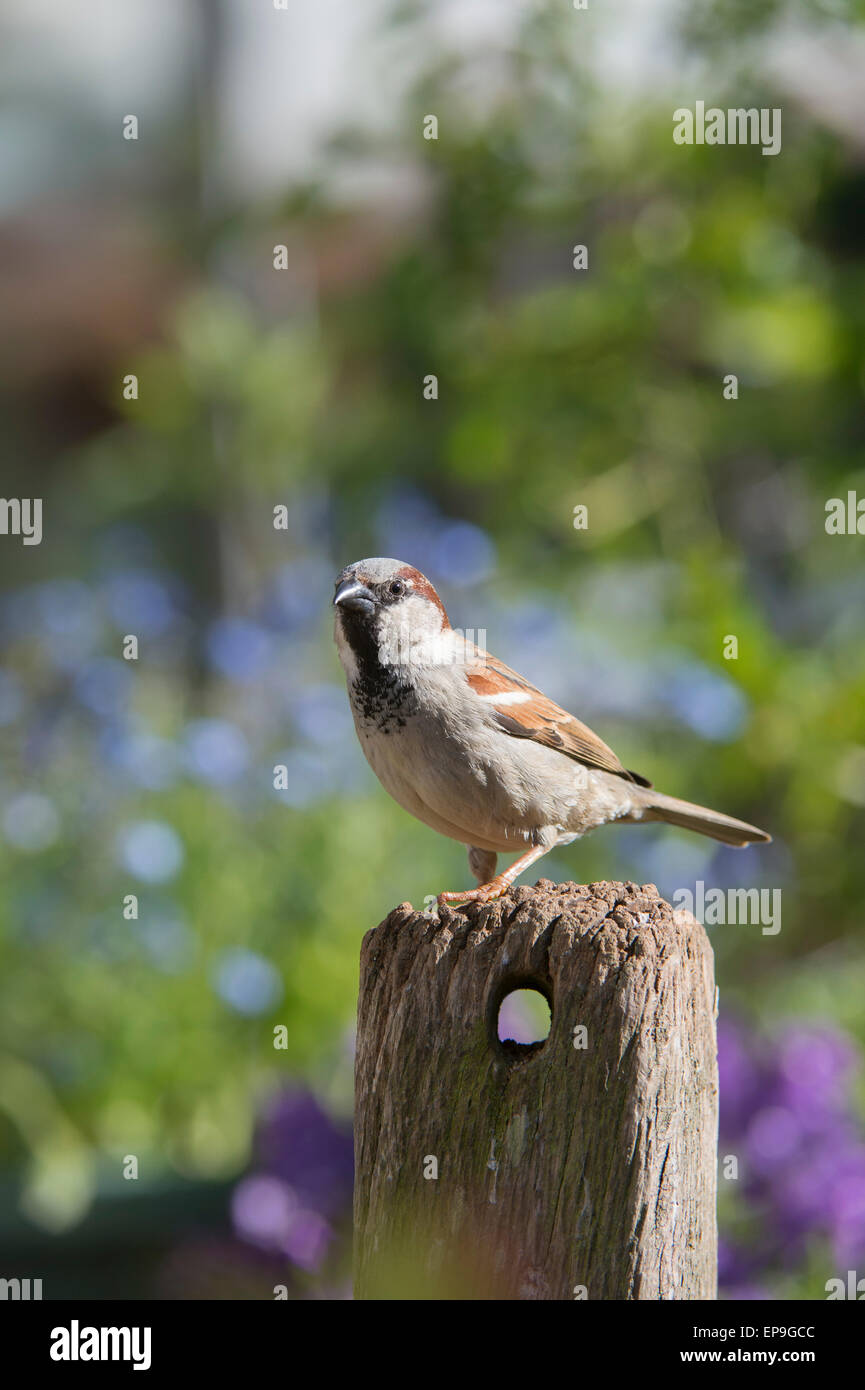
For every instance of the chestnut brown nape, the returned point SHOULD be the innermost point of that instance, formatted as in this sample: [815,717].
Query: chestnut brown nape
[421,585]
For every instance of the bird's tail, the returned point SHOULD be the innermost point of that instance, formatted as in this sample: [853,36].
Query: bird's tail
[701,819]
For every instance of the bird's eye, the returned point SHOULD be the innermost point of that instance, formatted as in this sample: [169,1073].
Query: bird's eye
[396,588]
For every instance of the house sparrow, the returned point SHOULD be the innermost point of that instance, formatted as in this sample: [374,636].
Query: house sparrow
[472,749]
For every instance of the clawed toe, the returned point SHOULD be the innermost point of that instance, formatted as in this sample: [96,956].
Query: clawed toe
[484,894]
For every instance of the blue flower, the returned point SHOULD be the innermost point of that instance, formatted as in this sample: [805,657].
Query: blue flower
[216,751]
[140,602]
[247,982]
[464,554]
[11,699]
[31,822]
[706,701]
[151,851]
[239,649]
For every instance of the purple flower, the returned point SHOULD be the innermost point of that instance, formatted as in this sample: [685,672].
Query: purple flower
[741,1077]
[786,1109]
[300,1143]
[262,1209]
[747,1292]
[815,1067]
[307,1240]
[772,1138]
[302,1183]
[268,1213]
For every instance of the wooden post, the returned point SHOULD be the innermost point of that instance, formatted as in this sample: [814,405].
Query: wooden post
[580,1167]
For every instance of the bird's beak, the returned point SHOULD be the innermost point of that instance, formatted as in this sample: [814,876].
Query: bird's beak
[354,597]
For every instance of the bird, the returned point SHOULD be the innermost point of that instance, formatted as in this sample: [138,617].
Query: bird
[474,750]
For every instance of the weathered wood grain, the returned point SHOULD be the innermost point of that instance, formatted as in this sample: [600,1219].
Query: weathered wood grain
[560,1169]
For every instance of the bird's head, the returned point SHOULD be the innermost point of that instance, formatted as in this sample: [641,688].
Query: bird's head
[388,611]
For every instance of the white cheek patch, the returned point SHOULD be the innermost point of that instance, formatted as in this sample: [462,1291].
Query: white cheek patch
[509,697]
[412,636]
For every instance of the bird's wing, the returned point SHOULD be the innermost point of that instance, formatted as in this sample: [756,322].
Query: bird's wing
[523,711]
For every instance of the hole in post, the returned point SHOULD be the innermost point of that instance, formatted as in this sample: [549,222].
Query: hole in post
[523,1020]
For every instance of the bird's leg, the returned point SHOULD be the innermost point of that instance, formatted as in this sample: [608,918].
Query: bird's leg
[482,863]
[497,886]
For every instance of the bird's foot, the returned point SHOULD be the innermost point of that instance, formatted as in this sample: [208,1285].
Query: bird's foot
[496,888]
